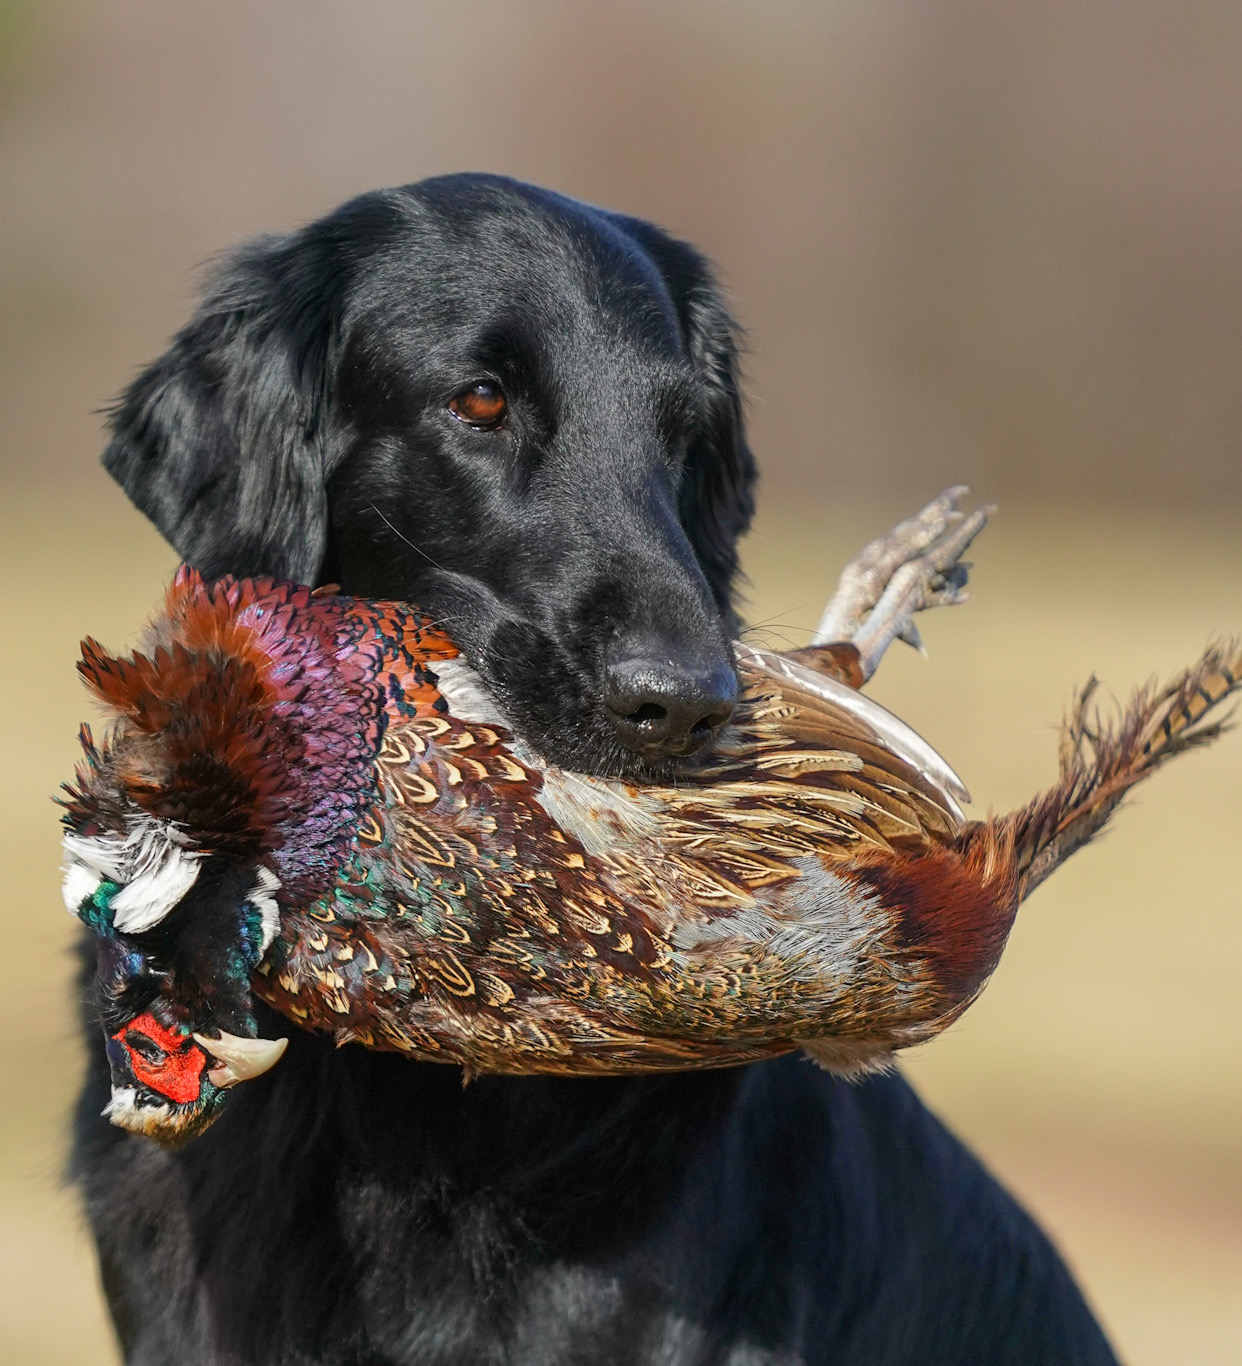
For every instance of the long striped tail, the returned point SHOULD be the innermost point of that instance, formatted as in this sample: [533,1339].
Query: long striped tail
[1103,757]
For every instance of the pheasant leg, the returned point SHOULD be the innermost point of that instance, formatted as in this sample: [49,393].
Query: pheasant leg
[915,566]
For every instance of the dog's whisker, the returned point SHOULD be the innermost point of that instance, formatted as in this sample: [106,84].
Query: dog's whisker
[403,537]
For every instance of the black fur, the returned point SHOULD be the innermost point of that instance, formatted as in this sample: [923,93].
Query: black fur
[356,1209]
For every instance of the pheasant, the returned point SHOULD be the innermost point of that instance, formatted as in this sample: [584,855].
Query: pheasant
[311,800]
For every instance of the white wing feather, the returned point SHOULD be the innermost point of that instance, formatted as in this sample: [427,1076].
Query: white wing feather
[886,727]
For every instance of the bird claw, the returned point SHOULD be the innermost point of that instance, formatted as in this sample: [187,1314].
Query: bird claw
[915,566]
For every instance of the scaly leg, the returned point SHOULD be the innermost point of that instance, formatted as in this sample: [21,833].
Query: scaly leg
[915,566]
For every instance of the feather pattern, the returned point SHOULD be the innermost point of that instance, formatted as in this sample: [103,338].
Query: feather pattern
[440,891]
[514,917]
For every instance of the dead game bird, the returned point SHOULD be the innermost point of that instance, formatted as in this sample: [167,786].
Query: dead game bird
[310,799]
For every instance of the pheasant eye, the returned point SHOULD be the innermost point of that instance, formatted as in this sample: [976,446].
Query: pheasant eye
[147,1049]
[482,405]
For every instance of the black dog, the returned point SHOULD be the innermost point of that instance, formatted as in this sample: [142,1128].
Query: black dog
[523,414]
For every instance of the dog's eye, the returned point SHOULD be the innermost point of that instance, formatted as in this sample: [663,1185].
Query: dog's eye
[483,405]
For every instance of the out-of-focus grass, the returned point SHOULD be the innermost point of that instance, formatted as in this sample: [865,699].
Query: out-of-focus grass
[1099,1074]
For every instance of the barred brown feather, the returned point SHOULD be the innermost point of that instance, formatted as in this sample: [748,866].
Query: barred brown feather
[1103,757]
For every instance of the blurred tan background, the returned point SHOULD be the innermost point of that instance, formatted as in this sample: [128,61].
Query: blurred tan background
[972,241]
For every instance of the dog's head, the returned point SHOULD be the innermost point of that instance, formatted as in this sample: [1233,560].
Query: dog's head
[519,412]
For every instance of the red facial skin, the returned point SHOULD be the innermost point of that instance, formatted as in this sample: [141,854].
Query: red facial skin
[178,1073]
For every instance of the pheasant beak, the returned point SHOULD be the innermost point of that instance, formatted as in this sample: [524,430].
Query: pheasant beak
[239,1059]
[169,1083]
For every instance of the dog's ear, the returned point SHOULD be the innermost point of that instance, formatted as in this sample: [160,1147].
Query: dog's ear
[717,490]
[223,442]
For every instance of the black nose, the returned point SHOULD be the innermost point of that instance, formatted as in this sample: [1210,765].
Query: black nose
[664,704]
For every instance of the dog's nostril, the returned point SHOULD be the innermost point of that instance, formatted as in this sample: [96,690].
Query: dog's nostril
[649,711]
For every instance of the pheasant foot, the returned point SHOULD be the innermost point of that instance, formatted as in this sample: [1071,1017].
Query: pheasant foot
[915,566]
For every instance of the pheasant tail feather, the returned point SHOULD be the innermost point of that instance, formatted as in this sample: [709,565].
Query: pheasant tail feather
[1102,758]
